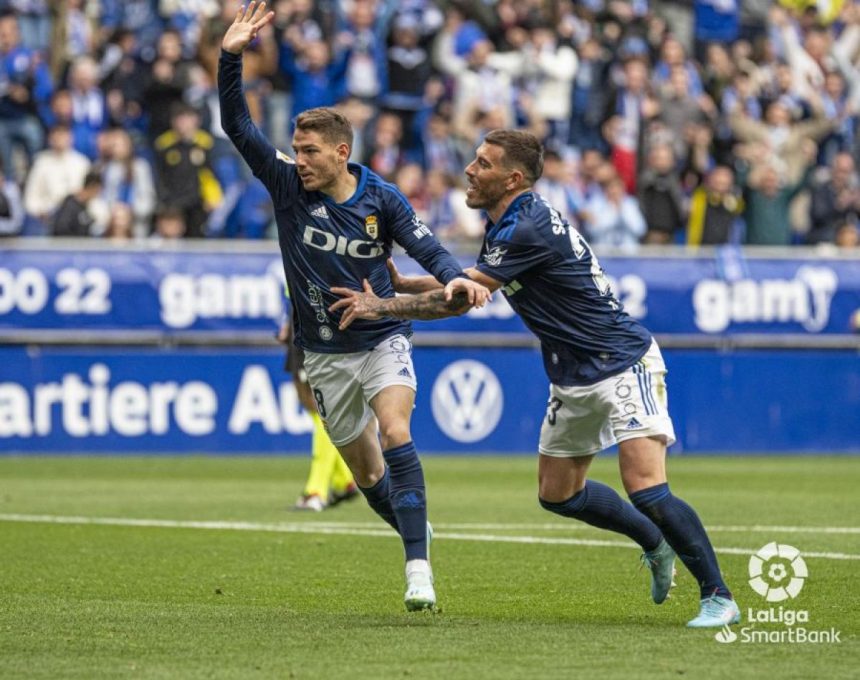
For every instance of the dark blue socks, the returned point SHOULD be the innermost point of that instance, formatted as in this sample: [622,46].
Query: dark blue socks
[408,501]
[600,506]
[400,500]
[378,499]
[684,532]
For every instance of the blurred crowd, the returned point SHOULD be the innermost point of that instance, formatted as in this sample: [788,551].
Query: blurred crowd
[698,122]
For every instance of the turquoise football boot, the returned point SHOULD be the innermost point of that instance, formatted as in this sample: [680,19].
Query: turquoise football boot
[661,564]
[716,612]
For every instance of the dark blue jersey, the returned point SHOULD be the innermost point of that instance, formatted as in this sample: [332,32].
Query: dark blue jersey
[555,283]
[324,243]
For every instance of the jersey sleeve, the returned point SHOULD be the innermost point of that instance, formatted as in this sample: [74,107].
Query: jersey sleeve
[419,242]
[506,259]
[272,167]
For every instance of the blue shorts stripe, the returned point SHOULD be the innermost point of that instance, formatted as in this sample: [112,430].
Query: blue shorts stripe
[643,392]
[650,392]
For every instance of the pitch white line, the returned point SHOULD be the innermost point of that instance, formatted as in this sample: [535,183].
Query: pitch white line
[576,526]
[341,530]
[786,530]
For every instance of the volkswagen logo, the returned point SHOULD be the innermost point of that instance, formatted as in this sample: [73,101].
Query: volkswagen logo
[467,401]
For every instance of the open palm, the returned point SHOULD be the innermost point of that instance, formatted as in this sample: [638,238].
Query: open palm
[249,20]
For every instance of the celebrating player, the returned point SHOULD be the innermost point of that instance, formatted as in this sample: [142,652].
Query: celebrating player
[606,371]
[336,225]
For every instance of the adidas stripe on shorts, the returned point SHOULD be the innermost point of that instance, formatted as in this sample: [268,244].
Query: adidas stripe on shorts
[344,384]
[583,420]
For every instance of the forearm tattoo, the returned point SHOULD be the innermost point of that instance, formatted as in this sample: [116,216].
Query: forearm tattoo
[430,305]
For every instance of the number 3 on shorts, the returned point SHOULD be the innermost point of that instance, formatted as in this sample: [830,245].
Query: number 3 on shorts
[552,407]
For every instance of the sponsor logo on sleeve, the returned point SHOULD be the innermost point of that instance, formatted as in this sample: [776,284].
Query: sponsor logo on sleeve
[494,256]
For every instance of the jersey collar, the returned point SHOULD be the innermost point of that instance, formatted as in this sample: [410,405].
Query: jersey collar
[511,210]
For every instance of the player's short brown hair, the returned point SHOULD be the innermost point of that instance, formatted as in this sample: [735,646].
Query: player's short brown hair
[331,124]
[522,150]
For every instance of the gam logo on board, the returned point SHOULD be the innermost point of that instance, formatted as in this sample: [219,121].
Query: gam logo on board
[804,300]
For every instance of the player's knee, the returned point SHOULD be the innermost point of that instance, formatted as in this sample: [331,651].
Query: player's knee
[367,478]
[393,434]
[552,494]
[552,490]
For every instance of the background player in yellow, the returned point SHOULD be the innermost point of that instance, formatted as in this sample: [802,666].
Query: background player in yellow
[329,480]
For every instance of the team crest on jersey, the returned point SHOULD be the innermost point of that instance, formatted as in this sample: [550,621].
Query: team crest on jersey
[495,255]
[281,156]
[371,226]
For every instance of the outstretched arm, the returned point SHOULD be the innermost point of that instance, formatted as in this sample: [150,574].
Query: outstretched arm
[411,284]
[438,303]
[235,117]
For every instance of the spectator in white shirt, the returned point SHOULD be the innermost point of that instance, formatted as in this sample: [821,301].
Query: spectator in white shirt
[57,172]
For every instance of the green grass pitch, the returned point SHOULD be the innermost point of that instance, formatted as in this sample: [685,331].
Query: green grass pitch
[221,581]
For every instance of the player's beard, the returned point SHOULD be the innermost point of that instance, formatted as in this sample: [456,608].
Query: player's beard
[484,196]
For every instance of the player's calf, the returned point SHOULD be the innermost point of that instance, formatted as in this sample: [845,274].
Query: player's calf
[408,498]
[684,532]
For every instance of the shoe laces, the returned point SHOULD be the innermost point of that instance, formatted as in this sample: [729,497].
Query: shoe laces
[645,561]
[711,606]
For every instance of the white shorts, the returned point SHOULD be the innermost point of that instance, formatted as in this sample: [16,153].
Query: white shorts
[583,420]
[344,384]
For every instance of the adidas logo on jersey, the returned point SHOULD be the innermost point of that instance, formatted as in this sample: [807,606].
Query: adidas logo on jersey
[404,372]
[320,212]
[633,424]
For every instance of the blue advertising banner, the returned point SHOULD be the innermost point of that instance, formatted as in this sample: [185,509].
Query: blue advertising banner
[171,292]
[231,400]
[117,290]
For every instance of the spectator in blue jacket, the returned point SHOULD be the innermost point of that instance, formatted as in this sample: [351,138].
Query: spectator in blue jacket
[364,34]
[89,109]
[319,79]
[717,21]
[140,17]
[25,90]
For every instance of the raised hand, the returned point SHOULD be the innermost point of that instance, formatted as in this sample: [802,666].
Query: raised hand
[245,27]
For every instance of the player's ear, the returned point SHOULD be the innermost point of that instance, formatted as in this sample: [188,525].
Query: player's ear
[515,180]
[343,151]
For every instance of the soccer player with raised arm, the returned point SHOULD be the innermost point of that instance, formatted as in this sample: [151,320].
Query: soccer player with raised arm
[606,372]
[337,222]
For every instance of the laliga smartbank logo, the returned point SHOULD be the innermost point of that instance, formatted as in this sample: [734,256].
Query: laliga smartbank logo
[777,573]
